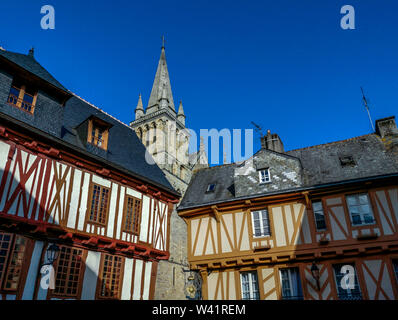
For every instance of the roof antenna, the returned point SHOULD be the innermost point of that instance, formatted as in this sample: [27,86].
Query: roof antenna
[367,108]
[258,129]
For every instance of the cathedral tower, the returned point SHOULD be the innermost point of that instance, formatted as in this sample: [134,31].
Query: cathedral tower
[162,130]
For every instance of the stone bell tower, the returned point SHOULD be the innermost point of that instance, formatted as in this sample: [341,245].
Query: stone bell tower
[162,130]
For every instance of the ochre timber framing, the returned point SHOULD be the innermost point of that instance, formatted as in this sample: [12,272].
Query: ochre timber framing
[220,249]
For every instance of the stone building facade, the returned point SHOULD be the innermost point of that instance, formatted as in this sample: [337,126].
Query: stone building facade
[163,132]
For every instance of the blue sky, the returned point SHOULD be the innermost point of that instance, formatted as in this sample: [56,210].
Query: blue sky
[286,65]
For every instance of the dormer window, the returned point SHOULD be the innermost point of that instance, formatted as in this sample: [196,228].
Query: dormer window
[22,97]
[211,187]
[347,161]
[264,176]
[98,131]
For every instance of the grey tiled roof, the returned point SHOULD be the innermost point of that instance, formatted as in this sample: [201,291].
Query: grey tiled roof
[321,165]
[222,176]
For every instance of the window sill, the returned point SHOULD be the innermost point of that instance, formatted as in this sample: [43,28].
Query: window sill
[261,248]
[22,109]
[98,224]
[263,237]
[363,225]
[367,236]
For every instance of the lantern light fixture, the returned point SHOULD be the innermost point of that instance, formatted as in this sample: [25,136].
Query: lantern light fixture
[315,274]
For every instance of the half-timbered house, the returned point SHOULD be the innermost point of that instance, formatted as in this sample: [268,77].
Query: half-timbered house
[74,176]
[316,223]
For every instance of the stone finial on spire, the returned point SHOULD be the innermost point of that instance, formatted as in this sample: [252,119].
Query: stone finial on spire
[180,114]
[139,110]
[163,42]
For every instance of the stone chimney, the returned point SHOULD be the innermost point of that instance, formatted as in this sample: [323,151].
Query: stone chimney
[272,142]
[386,127]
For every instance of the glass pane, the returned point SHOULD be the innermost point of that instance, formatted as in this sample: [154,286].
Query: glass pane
[28,98]
[346,293]
[363,199]
[15,91]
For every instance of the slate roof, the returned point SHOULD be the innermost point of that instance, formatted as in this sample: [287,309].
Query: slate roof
[321,166]
[29,63]
[125,150]
[321,163]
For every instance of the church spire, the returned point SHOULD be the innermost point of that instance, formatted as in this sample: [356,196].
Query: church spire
[161,88]
[139,110]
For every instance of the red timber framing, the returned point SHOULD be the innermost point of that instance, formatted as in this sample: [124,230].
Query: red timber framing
[50,166]
[33,218]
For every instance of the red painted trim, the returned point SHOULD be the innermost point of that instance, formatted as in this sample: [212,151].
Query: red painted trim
[47,175]
[72,159]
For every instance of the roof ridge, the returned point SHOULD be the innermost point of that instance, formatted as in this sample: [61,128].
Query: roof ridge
[99,109]
[330,143]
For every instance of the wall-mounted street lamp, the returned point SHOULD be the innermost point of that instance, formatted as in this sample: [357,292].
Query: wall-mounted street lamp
[193,285]
[315,274]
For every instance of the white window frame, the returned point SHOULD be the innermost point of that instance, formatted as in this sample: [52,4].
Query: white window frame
[323,214]
[261,222]
[267,176]
[251,292]
[291,286]
[361,214]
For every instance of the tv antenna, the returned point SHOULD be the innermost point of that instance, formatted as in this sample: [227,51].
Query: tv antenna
[365,102]
[258,129]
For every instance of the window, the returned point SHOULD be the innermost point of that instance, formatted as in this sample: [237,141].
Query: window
[395,265]
[99,204]
[347,161]
[291,284]
[69,272]
[319,215]
[110,277]
[211,187]
[264,176]
[345,293]
[22,98]
[12,251]
[261,225]
[98,132]
[360,210]
[132,212]
[249,284]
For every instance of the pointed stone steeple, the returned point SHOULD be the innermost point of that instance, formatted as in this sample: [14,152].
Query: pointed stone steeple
[180,114]
[161,88]
[139,110]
